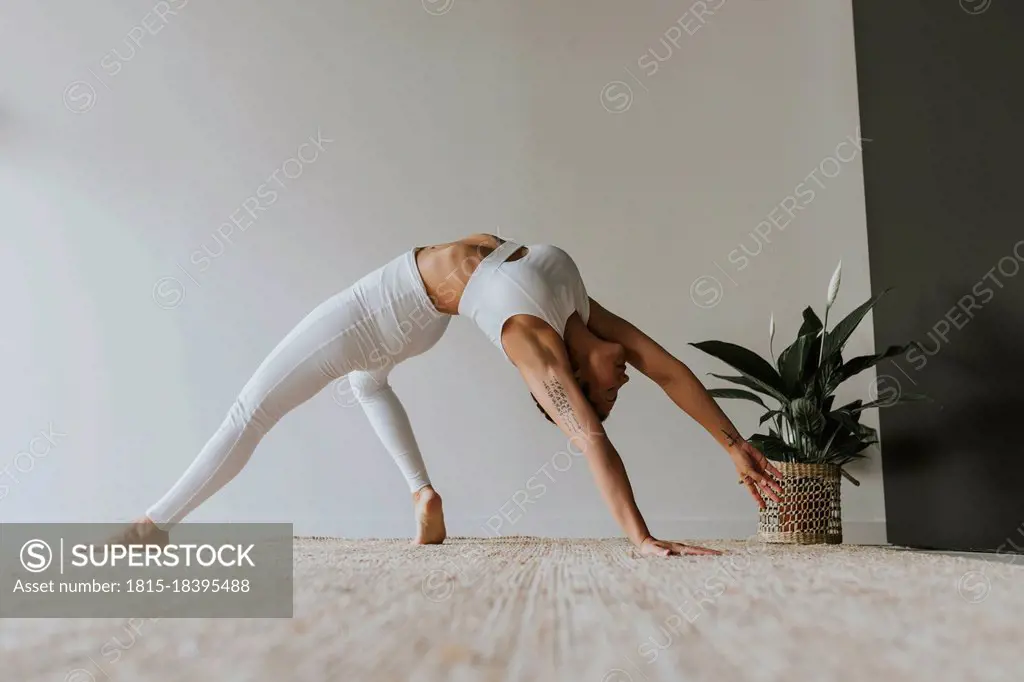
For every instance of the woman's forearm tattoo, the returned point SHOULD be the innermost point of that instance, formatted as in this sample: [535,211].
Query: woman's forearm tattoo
[730,438]
[563,408]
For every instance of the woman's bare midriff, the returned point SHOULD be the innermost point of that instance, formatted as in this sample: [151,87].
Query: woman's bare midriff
[446,268]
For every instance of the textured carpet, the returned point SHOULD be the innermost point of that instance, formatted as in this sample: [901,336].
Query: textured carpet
[536,609]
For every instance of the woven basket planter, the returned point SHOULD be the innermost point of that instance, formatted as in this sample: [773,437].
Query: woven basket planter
[809,513]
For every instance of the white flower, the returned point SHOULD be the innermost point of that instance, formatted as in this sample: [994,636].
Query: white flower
[833,285]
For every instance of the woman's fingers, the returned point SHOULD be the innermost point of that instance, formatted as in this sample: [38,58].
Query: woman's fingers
[769,491]
[754,493]
[764,486]
[660,548]
[761,485]
[771,469]
[773,488]
[655,548]
[765,463]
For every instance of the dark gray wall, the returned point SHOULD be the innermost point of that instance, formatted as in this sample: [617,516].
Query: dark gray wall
[940,85]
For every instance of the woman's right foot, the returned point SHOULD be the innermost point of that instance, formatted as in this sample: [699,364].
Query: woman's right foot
[430,528]
[142,532]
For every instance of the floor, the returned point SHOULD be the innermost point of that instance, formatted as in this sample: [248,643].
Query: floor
[539,609]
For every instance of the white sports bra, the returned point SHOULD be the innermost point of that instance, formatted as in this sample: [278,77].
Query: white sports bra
[544,283]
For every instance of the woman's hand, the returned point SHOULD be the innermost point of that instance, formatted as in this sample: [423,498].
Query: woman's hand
[755,472]
[652,547]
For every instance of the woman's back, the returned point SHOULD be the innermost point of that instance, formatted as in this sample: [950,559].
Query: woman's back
[446,268]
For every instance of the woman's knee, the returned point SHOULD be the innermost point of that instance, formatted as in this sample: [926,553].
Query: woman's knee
[258,417]
[365,385]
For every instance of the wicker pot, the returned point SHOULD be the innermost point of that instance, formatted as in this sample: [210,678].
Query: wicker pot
[809,513]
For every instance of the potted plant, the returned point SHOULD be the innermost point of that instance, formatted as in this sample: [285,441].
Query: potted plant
[809,439]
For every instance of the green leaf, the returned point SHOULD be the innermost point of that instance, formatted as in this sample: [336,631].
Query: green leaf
[863,362]
[852,407]
[811,324]
[846,473]
[824,453]
[845,418]
[901,398]
[837,338]
[807,416]
[851,422]
[748,363]
[845,447]
[853,448]
[813,353]
[768,415]
[830,365]
[751,384]
[736,394]
[773,447]
[793,362]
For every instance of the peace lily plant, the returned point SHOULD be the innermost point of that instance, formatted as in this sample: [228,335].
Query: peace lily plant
[804,426]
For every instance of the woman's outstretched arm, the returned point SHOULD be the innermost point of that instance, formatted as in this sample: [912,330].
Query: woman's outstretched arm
[690,395]
[540,356]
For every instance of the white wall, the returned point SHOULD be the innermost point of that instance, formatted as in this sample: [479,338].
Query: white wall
[117,168]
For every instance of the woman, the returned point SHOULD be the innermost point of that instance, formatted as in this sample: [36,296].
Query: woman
[530,301]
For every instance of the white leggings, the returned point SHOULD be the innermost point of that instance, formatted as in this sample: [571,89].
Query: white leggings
[362,333]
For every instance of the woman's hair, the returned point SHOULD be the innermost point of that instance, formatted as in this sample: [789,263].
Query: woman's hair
[583,387]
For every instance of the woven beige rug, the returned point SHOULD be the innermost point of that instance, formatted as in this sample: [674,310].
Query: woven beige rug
[535,610]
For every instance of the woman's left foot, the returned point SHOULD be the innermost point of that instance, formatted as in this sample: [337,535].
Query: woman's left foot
[141,532]
[430,528]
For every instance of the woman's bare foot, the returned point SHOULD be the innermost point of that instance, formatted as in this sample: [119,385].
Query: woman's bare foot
[430,528]
[141,532]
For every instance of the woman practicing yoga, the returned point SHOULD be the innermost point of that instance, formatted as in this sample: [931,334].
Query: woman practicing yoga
[531,303]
